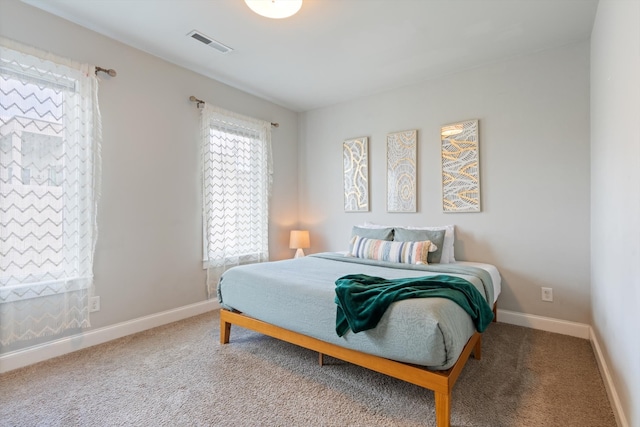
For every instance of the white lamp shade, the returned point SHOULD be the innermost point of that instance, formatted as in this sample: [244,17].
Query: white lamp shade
[275,9]
[299,239]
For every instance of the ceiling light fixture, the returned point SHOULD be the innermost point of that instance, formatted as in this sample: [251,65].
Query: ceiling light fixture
[276,9]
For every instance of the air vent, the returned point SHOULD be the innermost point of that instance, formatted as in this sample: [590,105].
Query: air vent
[197,35]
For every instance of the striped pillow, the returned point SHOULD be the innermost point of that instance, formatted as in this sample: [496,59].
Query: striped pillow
[384,250]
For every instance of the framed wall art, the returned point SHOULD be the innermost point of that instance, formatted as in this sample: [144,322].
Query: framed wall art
[355,167]
[460,167]
[401,171]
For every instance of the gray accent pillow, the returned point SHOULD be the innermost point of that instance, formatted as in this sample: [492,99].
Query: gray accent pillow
[373,233]
[435,236]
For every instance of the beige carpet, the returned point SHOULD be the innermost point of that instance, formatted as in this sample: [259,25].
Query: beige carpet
[178,375]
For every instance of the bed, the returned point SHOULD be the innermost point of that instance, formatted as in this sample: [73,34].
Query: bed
[424,341]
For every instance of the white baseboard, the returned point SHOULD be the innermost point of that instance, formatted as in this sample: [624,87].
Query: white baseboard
[614,399]
[21,358]
[564,327]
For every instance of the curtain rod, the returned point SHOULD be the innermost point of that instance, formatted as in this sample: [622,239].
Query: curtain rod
[200,101]
[109,71]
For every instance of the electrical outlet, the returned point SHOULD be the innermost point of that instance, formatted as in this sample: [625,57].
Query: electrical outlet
[94,304]
[547,294]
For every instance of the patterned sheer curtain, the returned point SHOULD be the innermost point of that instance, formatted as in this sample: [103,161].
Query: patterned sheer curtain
[236,187]
[49,171]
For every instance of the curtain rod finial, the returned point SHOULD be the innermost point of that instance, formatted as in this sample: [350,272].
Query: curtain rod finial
[199,102]
[111,72]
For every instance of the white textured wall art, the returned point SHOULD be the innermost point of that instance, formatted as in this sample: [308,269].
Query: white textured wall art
[401,171]
[460,167]
[355,160]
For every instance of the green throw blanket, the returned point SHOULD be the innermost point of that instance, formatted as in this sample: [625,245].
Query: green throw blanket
[363,299]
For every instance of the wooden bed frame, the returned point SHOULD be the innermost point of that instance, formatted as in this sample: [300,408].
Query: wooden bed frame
[440,382]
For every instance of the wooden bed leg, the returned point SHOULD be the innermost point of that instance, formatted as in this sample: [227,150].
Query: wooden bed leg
[495,312]
[443,409]
[477,349]
[225,332]
[321,359]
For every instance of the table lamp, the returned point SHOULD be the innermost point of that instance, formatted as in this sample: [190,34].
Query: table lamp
[299,240]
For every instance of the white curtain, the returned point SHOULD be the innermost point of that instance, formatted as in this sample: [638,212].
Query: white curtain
[236,152]
[49,173]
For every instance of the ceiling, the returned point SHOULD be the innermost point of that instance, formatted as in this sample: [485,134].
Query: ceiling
[333,50]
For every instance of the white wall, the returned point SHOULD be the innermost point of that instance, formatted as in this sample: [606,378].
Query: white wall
[534,154]
[615,195]
[149,251]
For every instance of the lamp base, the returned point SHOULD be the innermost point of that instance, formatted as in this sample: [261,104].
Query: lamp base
[299,253]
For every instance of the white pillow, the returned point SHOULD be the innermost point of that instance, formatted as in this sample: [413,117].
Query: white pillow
[447,246]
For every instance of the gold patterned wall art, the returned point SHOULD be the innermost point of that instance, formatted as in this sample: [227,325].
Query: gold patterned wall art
[460,167]
[355,162]
[401,171]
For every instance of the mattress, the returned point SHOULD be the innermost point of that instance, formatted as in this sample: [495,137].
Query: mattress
[299,295]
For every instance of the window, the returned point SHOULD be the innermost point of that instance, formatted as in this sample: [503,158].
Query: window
[236,183]
[48,170]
